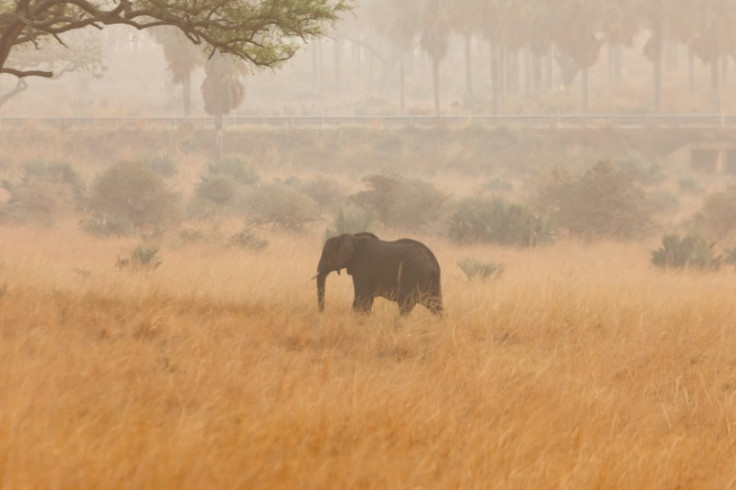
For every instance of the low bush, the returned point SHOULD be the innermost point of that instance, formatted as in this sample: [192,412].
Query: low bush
[495,221]
[43,192]
[717,216]
[164,165]
[407,204]
[219,189]
[690,251]
[130,197]
[248,240]
[237,168]
[281,206]
[603,202]
[141,258]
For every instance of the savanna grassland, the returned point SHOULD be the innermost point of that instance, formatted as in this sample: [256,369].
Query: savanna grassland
[580,366]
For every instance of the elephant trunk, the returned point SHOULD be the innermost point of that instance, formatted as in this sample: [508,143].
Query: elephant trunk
[321,279]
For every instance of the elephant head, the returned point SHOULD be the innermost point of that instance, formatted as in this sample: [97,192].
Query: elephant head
[336,255]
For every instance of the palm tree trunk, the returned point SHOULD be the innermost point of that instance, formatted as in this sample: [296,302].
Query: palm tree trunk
[584,91]
[494,78]
[186,89]
[436,84]
[402,83]
[715,85]
[468,64]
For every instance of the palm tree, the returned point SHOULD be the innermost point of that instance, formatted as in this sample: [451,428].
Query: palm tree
[182,57]
[574,30]
[222,90]
[435,30]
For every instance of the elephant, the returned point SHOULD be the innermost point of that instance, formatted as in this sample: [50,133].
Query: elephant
[405,271]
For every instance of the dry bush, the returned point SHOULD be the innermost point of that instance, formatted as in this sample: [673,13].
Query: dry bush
[130,197]
[43,193]
[717,216]
[281,206]
[603,202]
[406,204]
[217,372]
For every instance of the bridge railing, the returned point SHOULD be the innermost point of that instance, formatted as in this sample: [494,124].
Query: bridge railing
[387,121]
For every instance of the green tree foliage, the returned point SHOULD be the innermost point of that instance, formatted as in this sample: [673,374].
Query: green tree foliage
[262,32]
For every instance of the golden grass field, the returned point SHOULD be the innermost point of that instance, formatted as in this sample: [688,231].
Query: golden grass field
[581,367]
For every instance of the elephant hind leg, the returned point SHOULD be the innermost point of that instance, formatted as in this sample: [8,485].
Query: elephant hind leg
[407,303]
[363,304]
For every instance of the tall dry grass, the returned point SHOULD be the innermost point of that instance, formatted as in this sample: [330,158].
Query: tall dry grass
[581,367]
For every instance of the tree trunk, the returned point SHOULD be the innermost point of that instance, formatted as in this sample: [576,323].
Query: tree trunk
[436,85]
[584,90]
[691,68]
[402,83]
[495,79]
[218,137]
[715,85]
[468,64]
[338,60]
[186,90]
[657,82]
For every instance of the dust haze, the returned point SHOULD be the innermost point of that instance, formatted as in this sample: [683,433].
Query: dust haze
[571,166]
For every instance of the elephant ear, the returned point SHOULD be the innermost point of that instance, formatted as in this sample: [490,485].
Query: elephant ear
[345,251]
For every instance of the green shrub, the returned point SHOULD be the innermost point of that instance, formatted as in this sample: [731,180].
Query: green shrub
[237,168]
[43,192]
[132,197]
[690,251]
[690,185]
[163,165]
[401,203]
[220,189]
[281,206]
[141,258]
[495,221]
[481,270]
[603,202]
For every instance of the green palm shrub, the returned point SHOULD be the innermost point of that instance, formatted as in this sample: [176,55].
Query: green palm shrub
[689,251]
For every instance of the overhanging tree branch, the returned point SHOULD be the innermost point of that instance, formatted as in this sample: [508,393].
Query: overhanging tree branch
[261,32]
